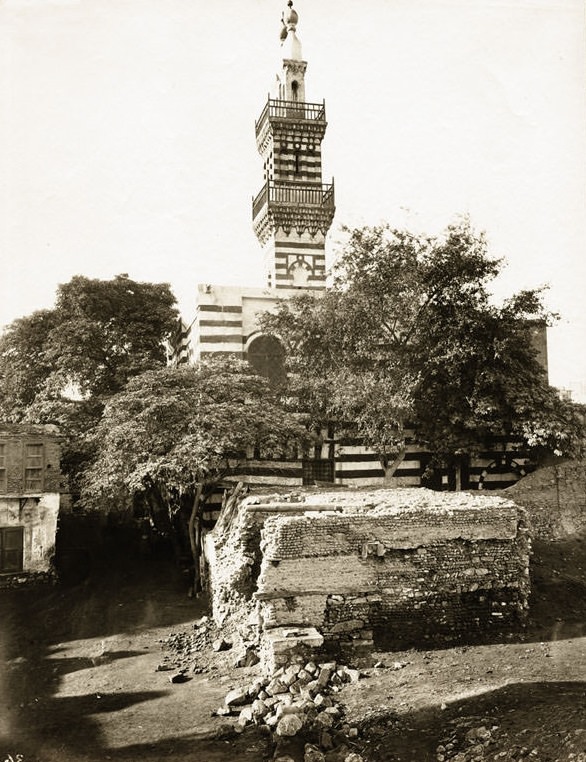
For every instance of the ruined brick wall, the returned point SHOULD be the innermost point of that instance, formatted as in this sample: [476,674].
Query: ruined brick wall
[555,499]
[400,567]
[233,559]
[406,574]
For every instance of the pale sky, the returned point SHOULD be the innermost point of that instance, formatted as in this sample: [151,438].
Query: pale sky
[127,138]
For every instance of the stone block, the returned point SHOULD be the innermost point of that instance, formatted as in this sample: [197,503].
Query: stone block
[289,725]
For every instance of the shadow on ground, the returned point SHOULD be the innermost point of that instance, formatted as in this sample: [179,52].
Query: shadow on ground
[128,593]
[125,593]
[547,717]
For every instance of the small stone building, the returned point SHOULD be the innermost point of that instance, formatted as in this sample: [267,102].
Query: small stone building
[333,574]
[30,484]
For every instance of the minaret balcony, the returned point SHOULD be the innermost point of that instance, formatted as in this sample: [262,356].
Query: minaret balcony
[278,110]
[294,194]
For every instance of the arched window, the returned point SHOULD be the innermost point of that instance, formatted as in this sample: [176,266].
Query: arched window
[267,357]
[300,272]
[295,90]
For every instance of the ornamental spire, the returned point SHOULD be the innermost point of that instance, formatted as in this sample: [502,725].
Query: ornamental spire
[290,17]
[289,40]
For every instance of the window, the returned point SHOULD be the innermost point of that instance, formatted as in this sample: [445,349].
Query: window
[300,272]
[33,468]
[2,468]
[11,549]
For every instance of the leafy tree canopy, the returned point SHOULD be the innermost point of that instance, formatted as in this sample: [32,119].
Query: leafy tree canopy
[174,428]
[409,337]
[60,365]
[99,334]
[24,365]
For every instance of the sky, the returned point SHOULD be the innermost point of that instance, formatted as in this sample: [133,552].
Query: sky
[127,138]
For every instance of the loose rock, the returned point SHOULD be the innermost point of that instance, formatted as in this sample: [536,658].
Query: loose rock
[236,697]
[178,677]
[313,754]
[289,725]
[221,645]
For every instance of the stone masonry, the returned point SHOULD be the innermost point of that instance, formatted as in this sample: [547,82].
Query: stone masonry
[333,574]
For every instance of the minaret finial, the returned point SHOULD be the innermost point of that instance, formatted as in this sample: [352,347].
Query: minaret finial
[291,17]
[289,40]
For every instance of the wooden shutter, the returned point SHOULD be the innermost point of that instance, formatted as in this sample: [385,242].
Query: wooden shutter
[11,549]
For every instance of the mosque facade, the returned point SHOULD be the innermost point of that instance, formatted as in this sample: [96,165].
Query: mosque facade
[291,215]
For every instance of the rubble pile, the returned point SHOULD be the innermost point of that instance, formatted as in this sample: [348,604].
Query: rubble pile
[298,701]
[182,649]
[471,747]
[192,650]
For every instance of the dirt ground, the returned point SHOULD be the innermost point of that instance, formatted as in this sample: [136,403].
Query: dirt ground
[80,679]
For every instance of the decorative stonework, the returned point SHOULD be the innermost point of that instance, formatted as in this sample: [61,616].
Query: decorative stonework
[295,67]
[300,220]
[276,132]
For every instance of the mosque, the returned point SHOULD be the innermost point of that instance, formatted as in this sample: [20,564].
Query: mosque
[292,214]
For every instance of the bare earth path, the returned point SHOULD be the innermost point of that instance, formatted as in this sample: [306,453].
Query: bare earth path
[78,680]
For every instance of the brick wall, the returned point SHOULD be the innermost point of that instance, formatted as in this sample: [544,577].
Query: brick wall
[400,567]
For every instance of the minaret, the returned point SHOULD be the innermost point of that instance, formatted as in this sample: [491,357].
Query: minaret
[294,210]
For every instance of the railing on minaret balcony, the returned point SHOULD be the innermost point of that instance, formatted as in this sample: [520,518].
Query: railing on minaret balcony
[294,193]
[278,109]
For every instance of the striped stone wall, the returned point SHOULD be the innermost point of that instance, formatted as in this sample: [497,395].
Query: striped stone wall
[179,348]
[294,255]
[226,318]
[355,466]
[219,329]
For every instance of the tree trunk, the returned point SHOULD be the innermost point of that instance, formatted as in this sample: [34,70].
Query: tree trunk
[458,469]
[160,512]
[390,468]
[229,506]
[195,538]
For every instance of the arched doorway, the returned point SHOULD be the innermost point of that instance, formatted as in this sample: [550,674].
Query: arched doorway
[267,357]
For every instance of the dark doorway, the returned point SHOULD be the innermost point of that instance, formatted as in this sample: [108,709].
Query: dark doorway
[11,549]
[267,357]
[319,471]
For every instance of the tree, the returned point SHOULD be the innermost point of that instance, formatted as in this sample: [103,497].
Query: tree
[61,365]
[99,334]
[24,365]
[172,434]
[408,337]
